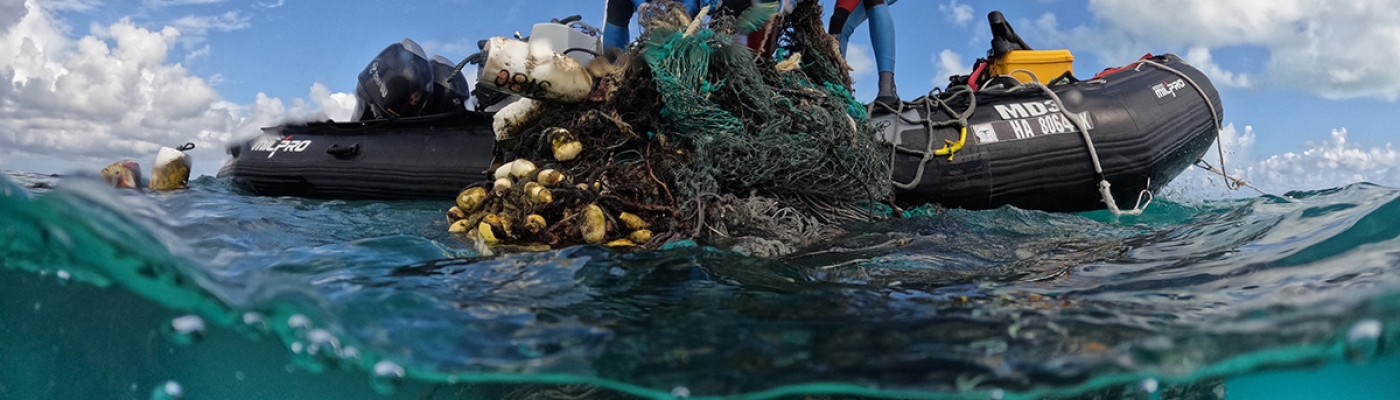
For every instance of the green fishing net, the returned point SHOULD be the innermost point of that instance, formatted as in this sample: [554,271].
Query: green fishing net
[707,139]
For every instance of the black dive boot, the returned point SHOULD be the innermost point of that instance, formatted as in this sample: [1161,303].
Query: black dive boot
[887,94]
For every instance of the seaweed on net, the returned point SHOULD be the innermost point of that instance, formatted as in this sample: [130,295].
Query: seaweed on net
[704,138]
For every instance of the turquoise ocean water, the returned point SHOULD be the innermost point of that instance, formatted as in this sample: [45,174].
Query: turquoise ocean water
[210,293]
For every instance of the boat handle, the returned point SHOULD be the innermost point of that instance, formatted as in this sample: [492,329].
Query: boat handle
[344,152]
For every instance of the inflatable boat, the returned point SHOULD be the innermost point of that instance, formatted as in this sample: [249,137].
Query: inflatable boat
[430,157]
[1020,131]
[1052,147]
[410,137]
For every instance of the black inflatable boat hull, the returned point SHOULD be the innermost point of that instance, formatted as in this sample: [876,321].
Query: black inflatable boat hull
[431,157]
[1147,124]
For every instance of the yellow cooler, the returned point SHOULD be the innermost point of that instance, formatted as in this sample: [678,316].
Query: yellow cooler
[1045,64]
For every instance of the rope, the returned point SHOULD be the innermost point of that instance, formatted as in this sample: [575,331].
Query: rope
[933,100]
[1104,187]
[1230,183]
[931,103]
[1202,164]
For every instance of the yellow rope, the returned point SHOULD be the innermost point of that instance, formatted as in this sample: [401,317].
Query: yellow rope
[950,147]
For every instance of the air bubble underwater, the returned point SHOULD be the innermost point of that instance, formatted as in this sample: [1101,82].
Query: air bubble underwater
[298,324]
[1150,386]
[170,390]
[680,392]
[185,330]
[387,377]
[1363,342]
[317,349]
[255,325]
[303,349]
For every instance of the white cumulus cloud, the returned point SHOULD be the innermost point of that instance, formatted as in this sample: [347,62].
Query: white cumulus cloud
[11,12]
[80,103]
[862,61]
[1333,48]
[948,63]
[335,105]
[960,14]
[1329,163]
[1200,58]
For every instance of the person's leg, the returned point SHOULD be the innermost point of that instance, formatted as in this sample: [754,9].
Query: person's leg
[618,17]
[843,24]
[882,37]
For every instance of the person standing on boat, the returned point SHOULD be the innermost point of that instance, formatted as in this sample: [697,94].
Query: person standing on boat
[848,15]
[619,16]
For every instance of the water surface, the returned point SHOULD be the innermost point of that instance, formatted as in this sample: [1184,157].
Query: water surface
[307,298]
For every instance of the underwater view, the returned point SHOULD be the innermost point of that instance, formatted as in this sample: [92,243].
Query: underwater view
[718,199]
[212,293]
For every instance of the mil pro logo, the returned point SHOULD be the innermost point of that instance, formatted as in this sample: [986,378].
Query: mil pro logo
[272,145]
[1165,89]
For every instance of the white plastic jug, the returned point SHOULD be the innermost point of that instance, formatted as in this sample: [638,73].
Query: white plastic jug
[565,39]
[534,70]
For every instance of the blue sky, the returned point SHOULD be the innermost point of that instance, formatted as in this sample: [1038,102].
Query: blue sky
[1309,86]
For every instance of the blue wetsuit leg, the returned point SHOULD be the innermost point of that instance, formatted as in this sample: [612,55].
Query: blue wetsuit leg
[853,21]
[618,17]
[882,36]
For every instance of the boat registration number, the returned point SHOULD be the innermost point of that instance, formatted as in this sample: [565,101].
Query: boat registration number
[1026,128]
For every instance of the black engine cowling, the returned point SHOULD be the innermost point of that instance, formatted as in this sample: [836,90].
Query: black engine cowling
[450,90]
[397,83]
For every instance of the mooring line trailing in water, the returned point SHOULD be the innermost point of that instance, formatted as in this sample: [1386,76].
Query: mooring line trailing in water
[1104,187]
[933,102]
[1203,164]
[1231,183]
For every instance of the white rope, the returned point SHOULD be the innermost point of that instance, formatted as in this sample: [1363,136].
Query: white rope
[1202,164]
[1231,183]
[1104,192]
[1144,198]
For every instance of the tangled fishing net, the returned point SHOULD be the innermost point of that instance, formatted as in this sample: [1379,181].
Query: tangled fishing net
[693,136]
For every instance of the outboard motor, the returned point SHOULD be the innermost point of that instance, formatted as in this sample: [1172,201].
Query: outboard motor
[450,90]
[397,83]
[1004,38]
